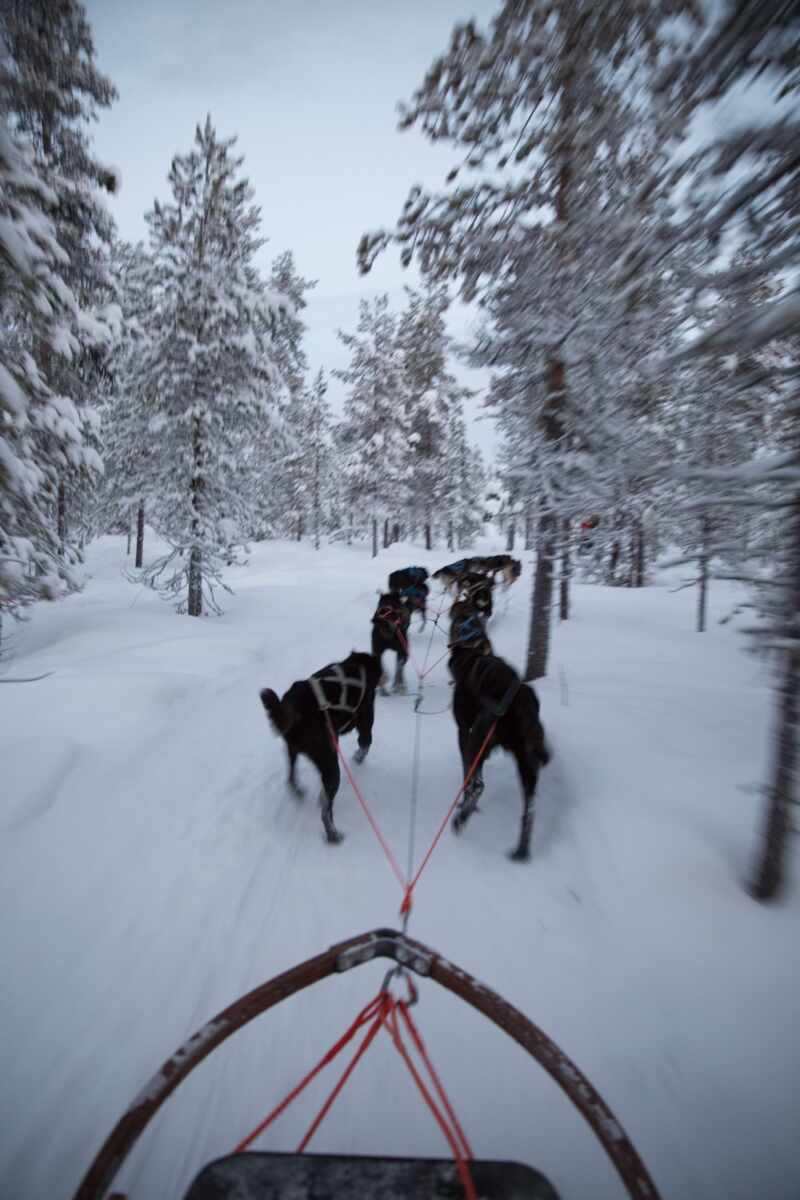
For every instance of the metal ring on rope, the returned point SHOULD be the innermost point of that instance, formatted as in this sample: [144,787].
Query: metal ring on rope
[414,956]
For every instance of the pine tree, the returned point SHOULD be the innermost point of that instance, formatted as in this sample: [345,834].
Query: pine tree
[206,369]
[466,484]
[747,185]
[129,447]
[319,457]
[40,430]
[51,89]
[274,461]
[374,433]
[430,394]
[547,107]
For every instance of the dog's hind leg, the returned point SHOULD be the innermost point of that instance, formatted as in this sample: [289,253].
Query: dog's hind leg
[528,776]
[329,770]
[399,684]
[294,786]
[470,744]
[378,648]
[364,722]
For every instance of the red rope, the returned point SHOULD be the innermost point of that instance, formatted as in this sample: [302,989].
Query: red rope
[459,1156]
[435,663]
[382,1011]
[421,1049]
[365,1015]
[393,863]
[406,905]
[369,1037]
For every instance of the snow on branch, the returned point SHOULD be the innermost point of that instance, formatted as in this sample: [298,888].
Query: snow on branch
[749,330]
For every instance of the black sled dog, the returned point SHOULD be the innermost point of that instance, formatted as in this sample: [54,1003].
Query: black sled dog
[390,632]
[410,585]
[490,697]
[342,694]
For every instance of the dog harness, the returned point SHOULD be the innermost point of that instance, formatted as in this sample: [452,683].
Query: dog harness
[413,591]
[471,629]
[335,674]
[396,619]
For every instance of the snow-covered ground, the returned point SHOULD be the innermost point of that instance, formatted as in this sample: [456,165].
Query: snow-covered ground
[153,867]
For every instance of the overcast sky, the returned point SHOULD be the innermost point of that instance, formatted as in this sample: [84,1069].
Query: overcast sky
[310,87]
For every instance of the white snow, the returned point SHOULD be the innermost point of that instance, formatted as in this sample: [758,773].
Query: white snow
[153,867]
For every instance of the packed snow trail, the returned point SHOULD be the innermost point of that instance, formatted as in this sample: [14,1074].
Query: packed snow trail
[153,867]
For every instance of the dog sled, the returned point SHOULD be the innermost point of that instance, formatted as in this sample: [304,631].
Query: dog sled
[250,1175]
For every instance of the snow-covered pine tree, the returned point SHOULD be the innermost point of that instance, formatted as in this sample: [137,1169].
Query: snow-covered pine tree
[374,433]
[40,430]
[206,368]
[129,447]
[319,457]
[274,460]
[50,90]
[548,108]
[431,391]
[466,484]
[746,188]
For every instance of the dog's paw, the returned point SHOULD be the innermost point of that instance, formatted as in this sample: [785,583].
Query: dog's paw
[333,837]
[297,791]
[521,855]
[400,689]
[360,754]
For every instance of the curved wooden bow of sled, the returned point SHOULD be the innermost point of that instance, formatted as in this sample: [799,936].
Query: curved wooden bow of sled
[414,956]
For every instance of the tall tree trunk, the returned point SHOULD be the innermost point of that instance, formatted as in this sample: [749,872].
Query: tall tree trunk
[541,600]
[140,534]
[528,531]
[542,597]
[130,538]
[61,510]
[396,532]
[386,542]
[702,581]
[552,423]
[428,538]
[770,867]
[613,560]
[374,537]
[566,571]
[315,490]
[299,529]
[638,566]
[511,534]
[450,541]
[350,531]
[195,598]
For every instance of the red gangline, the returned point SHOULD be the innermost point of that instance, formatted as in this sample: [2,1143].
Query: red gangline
[393,863]
[475,764]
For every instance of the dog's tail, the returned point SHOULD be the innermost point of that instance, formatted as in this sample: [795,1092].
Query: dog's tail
[279,713]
